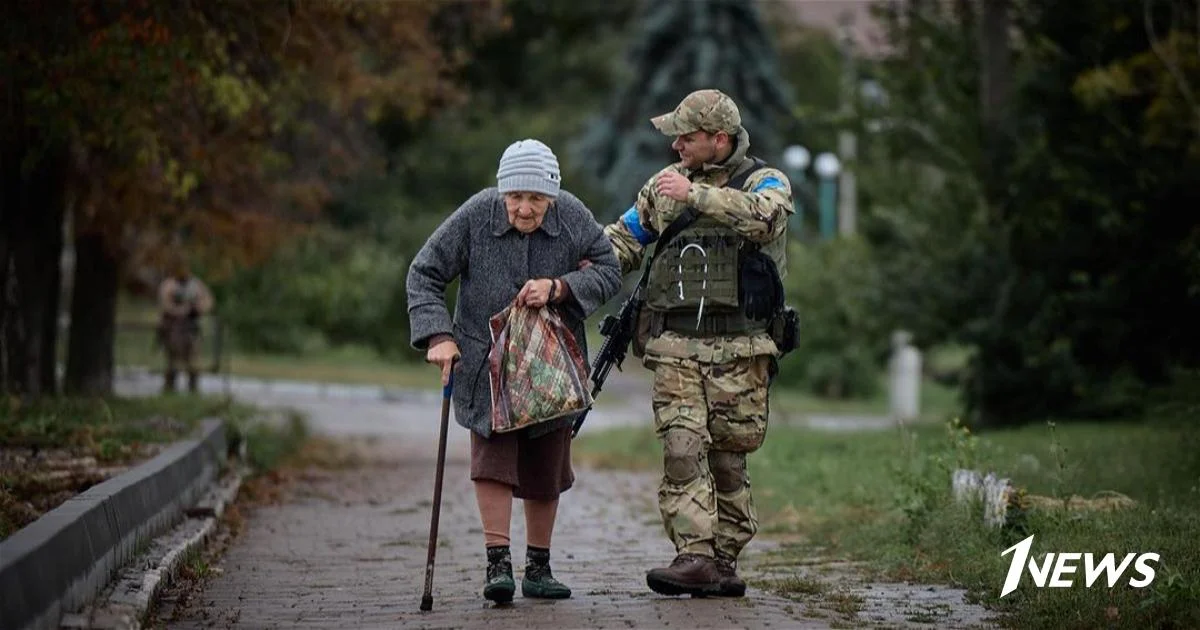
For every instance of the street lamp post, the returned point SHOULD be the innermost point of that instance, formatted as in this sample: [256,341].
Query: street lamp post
[828,167]
[797,158]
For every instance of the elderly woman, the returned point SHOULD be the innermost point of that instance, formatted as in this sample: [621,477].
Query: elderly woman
[522,240]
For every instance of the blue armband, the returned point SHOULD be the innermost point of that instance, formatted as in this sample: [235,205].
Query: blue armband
[633,223]
[768,182]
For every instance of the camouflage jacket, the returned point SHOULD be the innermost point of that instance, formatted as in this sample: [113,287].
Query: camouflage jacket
[759,213]
[178,298]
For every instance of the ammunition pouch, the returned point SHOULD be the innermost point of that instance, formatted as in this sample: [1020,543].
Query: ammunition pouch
[712,325]
[647,325]
[785,330]
[760,288]
[700,268]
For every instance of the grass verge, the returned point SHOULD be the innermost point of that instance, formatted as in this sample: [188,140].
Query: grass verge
[938,402]
[884,498]
[57,448]
[349,365]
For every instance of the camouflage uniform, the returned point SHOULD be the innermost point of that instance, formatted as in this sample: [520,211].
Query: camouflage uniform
[710,393]
[183,299]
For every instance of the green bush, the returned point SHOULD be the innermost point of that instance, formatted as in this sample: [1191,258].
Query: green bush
[328,288]
[835,287]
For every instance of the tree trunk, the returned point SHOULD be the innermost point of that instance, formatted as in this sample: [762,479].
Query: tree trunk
[93,317]
[35,221]
[6,310]
[916,14]
[10,346]
[10,357]
[51,257]
[965,11]
[996,85]
[997,348]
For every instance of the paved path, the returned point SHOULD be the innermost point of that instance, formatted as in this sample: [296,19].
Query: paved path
[347,548]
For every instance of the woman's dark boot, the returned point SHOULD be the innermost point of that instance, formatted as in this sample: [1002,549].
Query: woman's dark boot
[500,585]
[539,581]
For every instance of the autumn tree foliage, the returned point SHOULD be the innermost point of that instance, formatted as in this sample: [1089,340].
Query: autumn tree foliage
[216,128]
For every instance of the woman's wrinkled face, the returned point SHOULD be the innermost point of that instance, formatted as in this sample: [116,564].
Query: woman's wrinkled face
[526,210]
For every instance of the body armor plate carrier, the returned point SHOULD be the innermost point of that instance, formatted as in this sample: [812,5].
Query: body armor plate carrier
[695,282]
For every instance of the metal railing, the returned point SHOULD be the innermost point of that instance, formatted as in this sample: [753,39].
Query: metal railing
[136,345]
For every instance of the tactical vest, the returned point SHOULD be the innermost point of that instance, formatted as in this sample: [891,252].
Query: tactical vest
[693,283]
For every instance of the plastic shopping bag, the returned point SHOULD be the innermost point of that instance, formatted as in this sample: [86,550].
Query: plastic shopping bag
[537,369]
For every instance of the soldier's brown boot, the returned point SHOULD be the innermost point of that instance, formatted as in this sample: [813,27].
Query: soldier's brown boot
[731,584]
[689,574]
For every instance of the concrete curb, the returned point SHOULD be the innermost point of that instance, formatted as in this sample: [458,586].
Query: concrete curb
[125,604]
[64,559]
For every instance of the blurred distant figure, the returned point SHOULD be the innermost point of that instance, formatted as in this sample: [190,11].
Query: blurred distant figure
[182,300]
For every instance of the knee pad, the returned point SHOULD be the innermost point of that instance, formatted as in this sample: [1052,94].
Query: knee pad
[728,470]
[681,456]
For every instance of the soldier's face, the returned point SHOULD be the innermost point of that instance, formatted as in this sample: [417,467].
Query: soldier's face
[698,148]
[526,210]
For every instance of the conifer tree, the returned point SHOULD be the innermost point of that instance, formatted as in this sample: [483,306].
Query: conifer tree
[681,46]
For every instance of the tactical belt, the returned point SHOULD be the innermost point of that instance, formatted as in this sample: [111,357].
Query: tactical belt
[712,325]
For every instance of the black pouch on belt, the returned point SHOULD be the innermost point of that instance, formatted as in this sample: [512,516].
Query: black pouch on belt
[760,288]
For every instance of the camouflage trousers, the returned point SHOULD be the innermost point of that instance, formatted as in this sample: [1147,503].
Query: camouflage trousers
[179,336]
[708,417]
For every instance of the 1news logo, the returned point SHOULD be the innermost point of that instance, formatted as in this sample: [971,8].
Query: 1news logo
[1067,563]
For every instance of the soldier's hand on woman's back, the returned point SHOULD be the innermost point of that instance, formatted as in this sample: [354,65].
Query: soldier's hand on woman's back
[443,355]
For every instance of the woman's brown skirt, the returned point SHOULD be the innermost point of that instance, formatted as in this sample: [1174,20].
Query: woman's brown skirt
[537,468]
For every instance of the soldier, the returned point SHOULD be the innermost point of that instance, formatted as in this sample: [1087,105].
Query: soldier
[182,299]
[706,317]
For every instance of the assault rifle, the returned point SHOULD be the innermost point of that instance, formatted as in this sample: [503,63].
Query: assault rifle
[618,331]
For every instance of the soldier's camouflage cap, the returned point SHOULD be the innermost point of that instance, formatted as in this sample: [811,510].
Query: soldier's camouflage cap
[702,110]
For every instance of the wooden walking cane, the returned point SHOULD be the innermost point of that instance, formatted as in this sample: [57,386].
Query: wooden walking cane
[427,598]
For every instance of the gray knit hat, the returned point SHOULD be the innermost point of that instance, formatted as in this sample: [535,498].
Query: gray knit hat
[528,165]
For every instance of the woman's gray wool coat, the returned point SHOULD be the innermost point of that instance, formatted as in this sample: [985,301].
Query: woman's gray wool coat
[493,261]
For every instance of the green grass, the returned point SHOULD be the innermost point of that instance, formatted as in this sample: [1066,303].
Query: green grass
[354,366]
[109,429]
[883,497]
[268,444]
[350,365]
[938,402]
[56,448]
[363,366]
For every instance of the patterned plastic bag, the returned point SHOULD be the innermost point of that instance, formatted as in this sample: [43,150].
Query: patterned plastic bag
[537,369]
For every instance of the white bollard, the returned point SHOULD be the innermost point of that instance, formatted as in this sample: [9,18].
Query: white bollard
[992,491]
[904,378]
